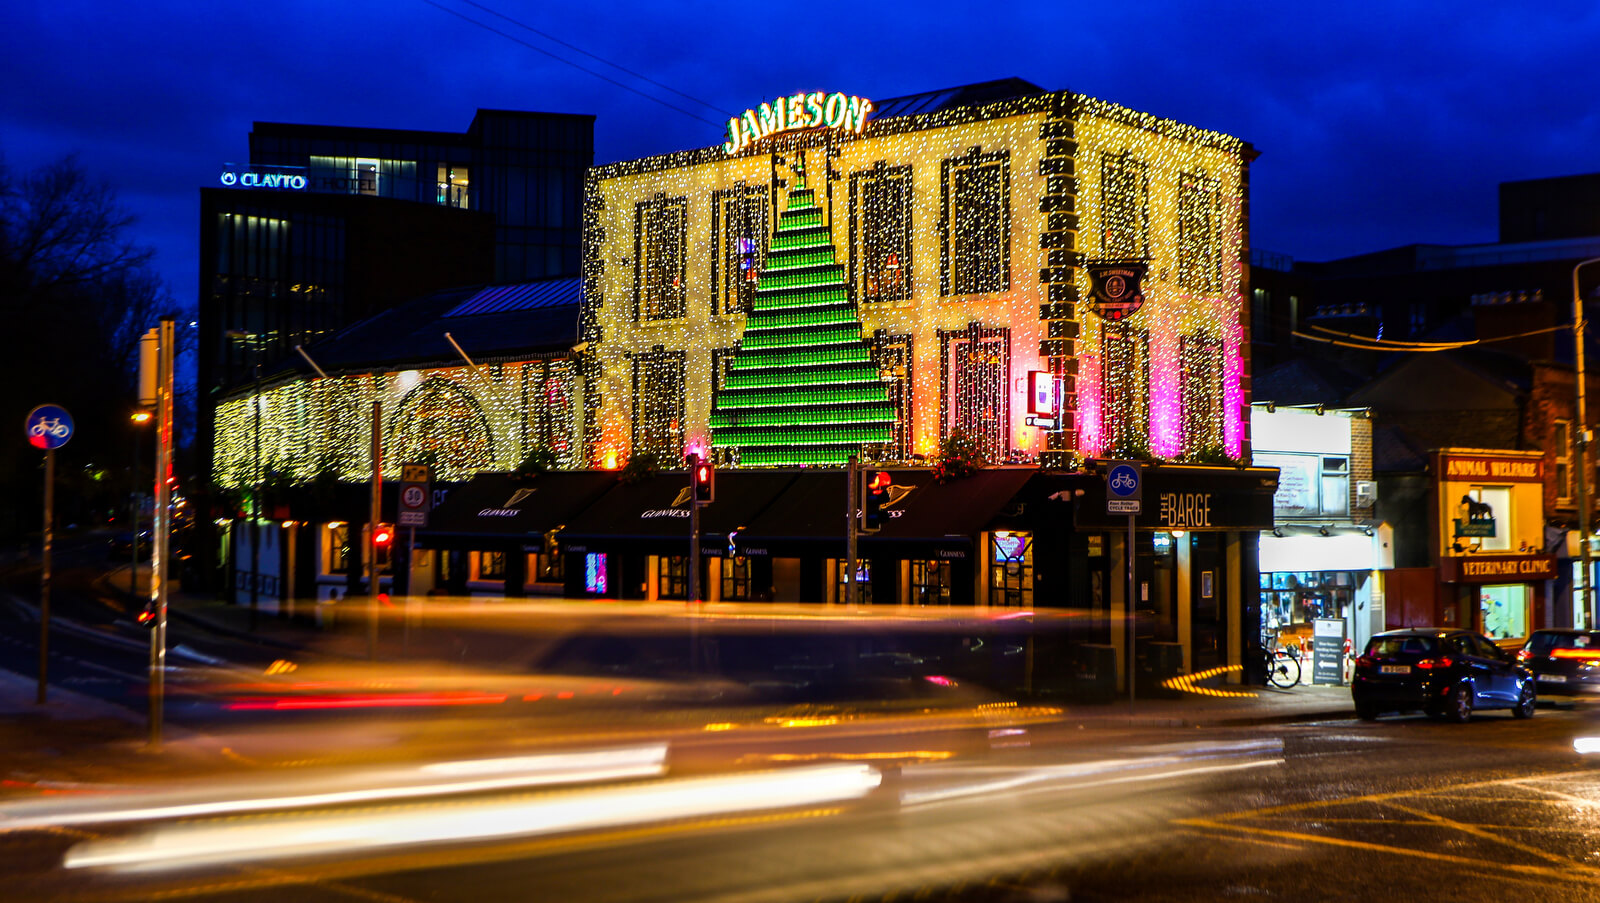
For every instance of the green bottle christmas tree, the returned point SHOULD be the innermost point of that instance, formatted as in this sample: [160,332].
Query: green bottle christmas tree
[802,388]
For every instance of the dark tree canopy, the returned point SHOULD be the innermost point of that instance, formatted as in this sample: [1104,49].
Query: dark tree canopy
[77,291]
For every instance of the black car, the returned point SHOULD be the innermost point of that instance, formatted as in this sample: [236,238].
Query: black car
[1566,661]
[1446,673]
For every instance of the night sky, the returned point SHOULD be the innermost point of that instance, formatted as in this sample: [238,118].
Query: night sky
[1378,124]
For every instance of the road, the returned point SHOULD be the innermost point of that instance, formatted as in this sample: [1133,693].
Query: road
[1401,809]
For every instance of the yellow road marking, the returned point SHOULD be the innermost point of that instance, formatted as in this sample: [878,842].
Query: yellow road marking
[1538,871]
[1487,835]
[1384,797]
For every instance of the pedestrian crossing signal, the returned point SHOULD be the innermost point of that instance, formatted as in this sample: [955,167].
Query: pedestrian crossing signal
[705,482]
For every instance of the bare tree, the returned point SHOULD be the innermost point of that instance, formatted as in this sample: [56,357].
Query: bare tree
[77,291]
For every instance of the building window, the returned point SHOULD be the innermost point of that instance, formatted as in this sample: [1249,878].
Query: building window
[891,354]
[452,186]
[1483,520]
[488,565]
[736,579]
[1011,569]
[549,567]
[658,388]
[1199,244]
[930,582]
[975,223]
[1201,392]
[880,232]
[1562,434]
[863,580]
[1504,610]
[659,236]
[975,365]
[1336,487]
[1124,388]
[336,551]
[740,227]
[1124,207]
[672,577]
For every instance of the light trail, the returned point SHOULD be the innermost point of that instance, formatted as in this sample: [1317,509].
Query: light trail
[231,841]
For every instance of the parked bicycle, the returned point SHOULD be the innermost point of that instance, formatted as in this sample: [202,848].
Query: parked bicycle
[1283,665]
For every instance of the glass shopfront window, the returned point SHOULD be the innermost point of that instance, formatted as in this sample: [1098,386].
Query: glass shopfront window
[673,576]
[1011,569]
[736,579]
[930,582]
[1291,600]
[863,580]
[1504,610]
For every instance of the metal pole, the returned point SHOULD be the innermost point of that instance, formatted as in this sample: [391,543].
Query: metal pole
[133,571]
[255,505]
[1578,326]
[850,504]
[1133,619]
[160,526]
[372,530]
[694,536]
[44,572]
[694,569]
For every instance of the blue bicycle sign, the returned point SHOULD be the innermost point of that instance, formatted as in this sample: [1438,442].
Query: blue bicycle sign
[49,426]
[1123,481]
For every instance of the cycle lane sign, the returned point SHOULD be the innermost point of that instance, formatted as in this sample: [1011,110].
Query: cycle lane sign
[1124,488]
[49,426]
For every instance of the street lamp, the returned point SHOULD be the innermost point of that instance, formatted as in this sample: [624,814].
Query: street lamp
[1583,446]
[255,488]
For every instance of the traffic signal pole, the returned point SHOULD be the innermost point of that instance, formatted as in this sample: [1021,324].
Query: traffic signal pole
[372,530]
[161,526]
[852,480]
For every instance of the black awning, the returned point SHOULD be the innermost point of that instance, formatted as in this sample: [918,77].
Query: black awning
[499,508]
[655,510]
[920,512]
[1187,497]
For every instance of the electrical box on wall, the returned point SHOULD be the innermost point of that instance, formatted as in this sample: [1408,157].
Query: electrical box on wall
[1366,493]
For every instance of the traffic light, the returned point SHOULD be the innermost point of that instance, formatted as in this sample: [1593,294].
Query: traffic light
[149,615]
[383,537]
[874,496]
[704,478]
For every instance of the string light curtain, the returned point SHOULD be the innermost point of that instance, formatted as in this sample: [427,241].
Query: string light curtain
[1005,203]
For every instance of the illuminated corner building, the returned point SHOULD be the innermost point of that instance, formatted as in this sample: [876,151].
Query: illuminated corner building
[315,433]
[802,388]
[968,227]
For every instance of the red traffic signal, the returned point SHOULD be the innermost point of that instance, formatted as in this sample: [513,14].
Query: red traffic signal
[703,477]
[383,537]
[874,496]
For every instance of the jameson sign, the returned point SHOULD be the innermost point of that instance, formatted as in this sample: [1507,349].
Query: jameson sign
[1114,288]
[797,111]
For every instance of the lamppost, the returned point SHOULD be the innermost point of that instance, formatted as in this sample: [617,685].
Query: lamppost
[139,418]
[255,479]
[1583,446]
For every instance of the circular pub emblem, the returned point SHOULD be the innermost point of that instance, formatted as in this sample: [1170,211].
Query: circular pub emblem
[1114,289]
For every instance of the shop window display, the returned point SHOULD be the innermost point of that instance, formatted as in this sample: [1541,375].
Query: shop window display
[1504,610]
[1291,600]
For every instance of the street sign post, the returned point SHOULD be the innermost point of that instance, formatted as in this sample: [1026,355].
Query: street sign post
[1125,495]
[48,427]
[416,500]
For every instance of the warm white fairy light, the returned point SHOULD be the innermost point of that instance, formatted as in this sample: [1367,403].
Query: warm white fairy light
[461,420]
